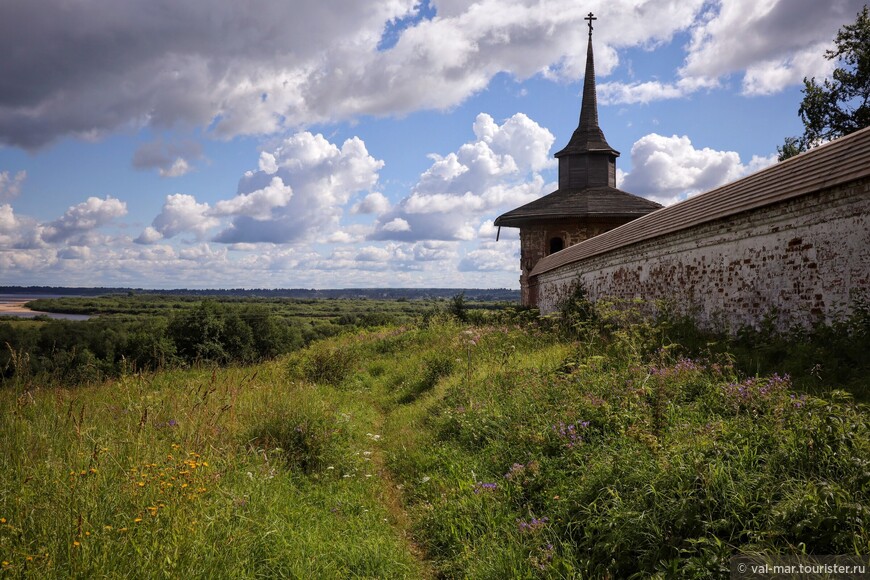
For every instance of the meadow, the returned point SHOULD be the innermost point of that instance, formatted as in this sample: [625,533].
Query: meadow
[487,446]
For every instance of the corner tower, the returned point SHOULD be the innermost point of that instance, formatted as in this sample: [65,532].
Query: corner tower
[587,202]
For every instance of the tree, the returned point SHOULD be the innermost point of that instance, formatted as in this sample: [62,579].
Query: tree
[839,105]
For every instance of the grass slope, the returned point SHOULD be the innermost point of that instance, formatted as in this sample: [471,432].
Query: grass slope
[436,450]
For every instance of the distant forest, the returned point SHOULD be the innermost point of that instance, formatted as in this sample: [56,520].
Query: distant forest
[489,295]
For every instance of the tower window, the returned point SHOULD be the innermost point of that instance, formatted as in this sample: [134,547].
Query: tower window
[556,244]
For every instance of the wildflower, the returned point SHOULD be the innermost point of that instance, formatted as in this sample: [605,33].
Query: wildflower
[569,433]
[2,520]
[76,544]
[532,525]
[5,563]
[137,520]
[107,528]
[482,486]
[141,484]
[515,470]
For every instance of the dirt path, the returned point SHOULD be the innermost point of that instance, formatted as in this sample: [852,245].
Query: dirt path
[391,498]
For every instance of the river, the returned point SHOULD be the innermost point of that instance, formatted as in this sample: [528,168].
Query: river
[13,305]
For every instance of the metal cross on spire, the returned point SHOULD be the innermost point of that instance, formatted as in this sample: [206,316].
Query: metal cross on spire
[590,18]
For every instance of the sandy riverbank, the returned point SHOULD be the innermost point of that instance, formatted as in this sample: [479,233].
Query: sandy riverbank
[14,306]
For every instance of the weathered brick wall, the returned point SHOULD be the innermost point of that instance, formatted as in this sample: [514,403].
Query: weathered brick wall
[535,244]
[804,259]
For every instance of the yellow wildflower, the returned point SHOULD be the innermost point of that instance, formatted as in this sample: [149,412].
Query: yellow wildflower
[76,544]
[137,520]
[2,520]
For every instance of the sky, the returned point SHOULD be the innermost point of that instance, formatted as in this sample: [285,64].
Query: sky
[338,143]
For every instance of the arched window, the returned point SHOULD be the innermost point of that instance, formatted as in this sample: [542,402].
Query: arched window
[556,244]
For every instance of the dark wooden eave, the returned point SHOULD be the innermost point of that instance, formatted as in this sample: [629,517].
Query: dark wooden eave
[594,202]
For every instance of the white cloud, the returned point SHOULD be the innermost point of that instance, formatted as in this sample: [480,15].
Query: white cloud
[149,236]
[497,171]
[772,76]
[169,159]
[181,214]
[374,203]
[259,203]
[8,223]
[264,67]
[300,190]
[784,39]
[667,169]
[396,225]
[492,257]
[616,93]
[290,65]
[84,217]
[10,186]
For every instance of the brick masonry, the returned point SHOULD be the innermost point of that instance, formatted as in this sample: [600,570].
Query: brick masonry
[801,261]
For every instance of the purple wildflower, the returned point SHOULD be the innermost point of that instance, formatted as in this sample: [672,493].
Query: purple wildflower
[483,487]
[570,433]
[532,525]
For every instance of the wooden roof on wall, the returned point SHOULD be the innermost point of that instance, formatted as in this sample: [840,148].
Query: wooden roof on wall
[836,163]
[592,202]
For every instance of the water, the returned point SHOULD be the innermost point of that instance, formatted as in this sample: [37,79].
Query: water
[13,305]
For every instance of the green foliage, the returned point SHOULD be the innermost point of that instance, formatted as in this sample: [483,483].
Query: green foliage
[458,307]
[839,105]
[310,435]
[637,448]
[577,315]
[325,364]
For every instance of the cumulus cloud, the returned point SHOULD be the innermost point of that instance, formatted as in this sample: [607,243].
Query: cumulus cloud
[784,39]
[169,159]
[180,214]
[396,225]
[492,257]
[261,66]
[374,203]
[259,203]
[10,226]
[149,236]
[83,218]
[667,169]
[773,44]
[499,170]
[10,185]
[300,189]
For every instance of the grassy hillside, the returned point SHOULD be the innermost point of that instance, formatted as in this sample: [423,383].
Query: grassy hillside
[436,449]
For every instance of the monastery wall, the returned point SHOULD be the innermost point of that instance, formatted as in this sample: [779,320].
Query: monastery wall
[803,260]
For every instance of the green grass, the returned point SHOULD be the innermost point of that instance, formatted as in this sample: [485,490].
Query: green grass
[434,449]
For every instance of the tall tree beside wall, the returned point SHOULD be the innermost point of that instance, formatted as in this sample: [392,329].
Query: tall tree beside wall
[839,105]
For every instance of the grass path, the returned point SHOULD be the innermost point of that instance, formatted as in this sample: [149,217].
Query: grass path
[391,498]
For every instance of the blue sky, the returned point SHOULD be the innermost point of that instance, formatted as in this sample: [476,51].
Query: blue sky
[335,143]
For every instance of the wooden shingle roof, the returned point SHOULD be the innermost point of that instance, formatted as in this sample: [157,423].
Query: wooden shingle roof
[601,202]
[836,163]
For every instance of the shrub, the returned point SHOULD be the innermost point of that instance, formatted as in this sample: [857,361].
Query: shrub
[328,365]
[308,435]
